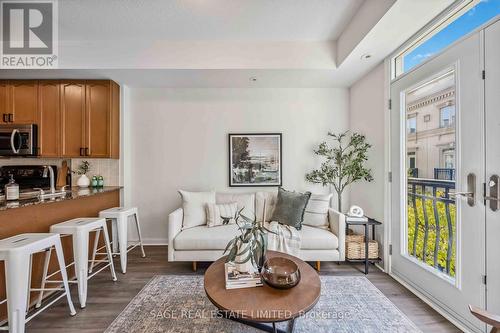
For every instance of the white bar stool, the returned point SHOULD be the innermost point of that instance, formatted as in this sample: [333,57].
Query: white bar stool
[119,226]
[17,253]
[79,229]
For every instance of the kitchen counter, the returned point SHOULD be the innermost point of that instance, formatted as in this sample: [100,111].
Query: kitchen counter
[72,194]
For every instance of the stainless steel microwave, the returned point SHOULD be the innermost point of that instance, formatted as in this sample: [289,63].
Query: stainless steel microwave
[18,140]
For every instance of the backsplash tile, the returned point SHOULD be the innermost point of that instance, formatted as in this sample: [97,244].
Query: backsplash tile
[108,168]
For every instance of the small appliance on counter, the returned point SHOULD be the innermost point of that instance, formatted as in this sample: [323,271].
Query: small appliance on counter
[28,177]
[18,140]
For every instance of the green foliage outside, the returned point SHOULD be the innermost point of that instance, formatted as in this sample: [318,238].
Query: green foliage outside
[432,228]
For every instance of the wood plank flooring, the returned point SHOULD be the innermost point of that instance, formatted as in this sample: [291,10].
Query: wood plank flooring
[106,299]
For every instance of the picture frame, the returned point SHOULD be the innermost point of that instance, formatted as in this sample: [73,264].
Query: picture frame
[255,159]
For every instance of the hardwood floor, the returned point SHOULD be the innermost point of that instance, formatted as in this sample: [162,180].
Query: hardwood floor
[106,299]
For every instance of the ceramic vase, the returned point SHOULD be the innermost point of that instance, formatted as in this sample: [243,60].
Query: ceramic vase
[247,266]
[83,181]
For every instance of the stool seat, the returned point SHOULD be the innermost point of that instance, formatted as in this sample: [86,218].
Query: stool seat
[33,242]
[118,212]
[80,223]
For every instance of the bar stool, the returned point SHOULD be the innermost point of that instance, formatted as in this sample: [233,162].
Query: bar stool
[17,253]
[119,226]
[79,229]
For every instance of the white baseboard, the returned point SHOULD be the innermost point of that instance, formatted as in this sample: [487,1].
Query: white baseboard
[429,302]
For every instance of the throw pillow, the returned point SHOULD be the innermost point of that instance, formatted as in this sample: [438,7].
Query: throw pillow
[316,213]
[216,212]
[193,204]
[290,208]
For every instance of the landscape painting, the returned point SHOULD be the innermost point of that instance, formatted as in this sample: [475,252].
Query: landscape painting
[255,159]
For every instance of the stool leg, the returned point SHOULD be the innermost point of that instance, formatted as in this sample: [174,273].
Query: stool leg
[114,235]
[44,277]
[64,275]
[108,251]
[136,217]
[122,226]
[96,242]
[29,283]
[16,281]
[81,257]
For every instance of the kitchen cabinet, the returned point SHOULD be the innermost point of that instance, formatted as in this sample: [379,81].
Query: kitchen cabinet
[73,118]
[19,102]
[49,119]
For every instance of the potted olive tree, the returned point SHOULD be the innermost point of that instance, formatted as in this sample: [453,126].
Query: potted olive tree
[344,163]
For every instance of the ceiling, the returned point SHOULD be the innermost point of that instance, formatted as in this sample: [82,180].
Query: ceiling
[224,43]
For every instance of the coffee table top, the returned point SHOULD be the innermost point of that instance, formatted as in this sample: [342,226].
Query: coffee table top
[264,304]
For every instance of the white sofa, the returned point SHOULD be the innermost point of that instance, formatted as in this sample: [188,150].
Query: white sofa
[202,243]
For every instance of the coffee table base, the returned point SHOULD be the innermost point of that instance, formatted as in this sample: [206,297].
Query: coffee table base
[271,328]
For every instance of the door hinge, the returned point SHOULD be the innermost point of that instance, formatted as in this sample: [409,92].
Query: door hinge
[484,193]
[484,74]
[389,176]
[484,279]
[389,104]
[390,249]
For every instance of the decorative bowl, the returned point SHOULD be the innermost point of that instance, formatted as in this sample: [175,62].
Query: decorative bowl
[280,273]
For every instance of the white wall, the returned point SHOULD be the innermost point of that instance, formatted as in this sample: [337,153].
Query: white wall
[367,107]
[179,140]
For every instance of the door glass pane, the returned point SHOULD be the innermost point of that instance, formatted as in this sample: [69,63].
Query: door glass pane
[430,163]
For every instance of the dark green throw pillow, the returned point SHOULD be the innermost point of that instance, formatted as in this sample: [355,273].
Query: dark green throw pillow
[290,208]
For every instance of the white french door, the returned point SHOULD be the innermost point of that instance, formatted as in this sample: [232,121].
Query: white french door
[438,214]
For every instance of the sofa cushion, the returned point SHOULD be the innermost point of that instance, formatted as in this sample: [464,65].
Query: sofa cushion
[265,203]
[316,214]
[215,213]
[290,208]
[205,238]
[318,239]
[194,207]
[246,200]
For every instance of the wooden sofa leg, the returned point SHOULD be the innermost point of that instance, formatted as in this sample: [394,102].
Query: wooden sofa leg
[194,266]
[318,265]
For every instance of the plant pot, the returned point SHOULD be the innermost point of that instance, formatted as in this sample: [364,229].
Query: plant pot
[83,181]
[247,266]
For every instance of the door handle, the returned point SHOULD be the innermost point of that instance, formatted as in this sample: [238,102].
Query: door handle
[5,118]
[11,117]
[87,151]
[81,152]
[470,194]
[493,196]
[15,150]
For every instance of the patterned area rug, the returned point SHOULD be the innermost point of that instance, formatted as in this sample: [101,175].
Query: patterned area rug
[173,303]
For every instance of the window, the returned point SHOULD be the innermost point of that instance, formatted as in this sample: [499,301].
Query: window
[411,124]
[447,116]
[412,160]
[448,158]
[458,24]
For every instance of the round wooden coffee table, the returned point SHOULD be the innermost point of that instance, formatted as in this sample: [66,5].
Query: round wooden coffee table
[259,305]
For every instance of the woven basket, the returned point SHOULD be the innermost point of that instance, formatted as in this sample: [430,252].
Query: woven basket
[355,247]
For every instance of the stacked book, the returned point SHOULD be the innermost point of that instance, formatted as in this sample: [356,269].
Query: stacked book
[359,219]
[236,279]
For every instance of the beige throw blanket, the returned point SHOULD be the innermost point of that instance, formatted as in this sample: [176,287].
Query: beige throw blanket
[285,239]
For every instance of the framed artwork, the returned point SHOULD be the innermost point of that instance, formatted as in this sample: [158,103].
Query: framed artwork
[255,159]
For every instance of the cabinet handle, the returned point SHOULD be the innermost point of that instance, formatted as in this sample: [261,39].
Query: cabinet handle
[81,152]
[11,117]
[5,118]
[87,152]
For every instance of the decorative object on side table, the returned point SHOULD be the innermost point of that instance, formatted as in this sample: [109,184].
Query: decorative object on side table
[83,180]
[248,250]
[255,159]
[344,163]
[358,247]
[281,273]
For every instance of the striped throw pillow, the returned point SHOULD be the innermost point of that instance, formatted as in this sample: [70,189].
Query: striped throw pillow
[215,212]
[316,214]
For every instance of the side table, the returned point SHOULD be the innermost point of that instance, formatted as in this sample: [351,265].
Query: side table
[373,223]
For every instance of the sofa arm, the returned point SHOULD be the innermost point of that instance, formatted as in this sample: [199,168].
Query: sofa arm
[174,228]
[337,226]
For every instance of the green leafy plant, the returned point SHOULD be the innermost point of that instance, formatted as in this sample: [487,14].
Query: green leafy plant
[251,244]
[83,168]
[344,163]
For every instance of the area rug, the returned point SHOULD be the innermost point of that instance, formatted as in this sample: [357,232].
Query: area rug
[173,303]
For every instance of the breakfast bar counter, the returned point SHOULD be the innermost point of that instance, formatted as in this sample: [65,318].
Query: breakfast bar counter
[36,216]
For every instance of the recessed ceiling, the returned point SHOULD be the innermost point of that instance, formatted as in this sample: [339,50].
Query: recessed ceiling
[201,20]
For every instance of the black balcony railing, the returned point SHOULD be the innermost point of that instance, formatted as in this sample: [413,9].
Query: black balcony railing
[431,218]
[444,173]
[413,172]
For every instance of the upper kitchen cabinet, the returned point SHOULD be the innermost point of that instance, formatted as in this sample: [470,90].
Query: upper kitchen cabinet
[49,119]
[90,119]
[73,118]
[102,119]
[19,102]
